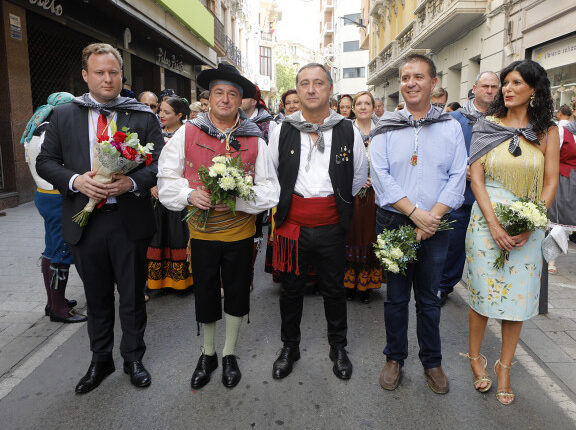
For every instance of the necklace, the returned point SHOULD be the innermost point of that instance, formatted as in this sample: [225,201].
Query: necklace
[414,158]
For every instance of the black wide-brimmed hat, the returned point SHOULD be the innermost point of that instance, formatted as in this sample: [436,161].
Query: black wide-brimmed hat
[226,72]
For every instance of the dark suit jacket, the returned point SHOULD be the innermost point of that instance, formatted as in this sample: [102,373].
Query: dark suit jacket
[66,151]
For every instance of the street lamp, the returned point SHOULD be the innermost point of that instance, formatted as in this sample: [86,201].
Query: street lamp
[357,24]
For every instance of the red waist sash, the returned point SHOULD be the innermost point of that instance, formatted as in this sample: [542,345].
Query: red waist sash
[304,212]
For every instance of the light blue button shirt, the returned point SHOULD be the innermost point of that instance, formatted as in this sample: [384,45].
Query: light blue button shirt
[438,177]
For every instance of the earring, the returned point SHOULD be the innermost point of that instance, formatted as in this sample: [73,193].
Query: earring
[532,97]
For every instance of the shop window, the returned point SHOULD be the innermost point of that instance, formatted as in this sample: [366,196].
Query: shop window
[353,72]
[265,61]
[353,45]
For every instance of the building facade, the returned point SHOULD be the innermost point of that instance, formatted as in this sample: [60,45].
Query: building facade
[465,38]
[340,44]
[163,46]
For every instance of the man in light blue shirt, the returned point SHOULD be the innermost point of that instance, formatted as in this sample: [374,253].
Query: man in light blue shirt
[418,170]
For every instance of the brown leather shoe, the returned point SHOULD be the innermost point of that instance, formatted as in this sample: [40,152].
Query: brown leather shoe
[437,380]
[390,375]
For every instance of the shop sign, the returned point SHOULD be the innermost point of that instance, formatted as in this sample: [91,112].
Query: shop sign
[49,5]
[15,27]
[556,54]
[169,60]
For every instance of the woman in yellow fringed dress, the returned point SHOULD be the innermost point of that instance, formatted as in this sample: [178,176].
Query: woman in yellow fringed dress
[514,154]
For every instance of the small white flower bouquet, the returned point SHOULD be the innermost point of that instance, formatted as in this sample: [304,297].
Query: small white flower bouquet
[517,217]
[224,181]
[395,249]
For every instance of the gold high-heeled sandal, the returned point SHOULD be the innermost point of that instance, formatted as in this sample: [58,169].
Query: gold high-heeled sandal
[482,378]
[505,396]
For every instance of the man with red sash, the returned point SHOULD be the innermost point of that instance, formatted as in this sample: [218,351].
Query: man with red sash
[221,254]
[321,163]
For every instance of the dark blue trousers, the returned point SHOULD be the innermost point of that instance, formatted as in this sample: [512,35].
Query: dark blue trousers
[456,257]
[424,277]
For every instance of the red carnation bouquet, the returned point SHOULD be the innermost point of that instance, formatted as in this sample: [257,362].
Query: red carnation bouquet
[116,155]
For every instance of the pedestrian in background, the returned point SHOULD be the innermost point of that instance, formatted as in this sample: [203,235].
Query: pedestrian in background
[291,102]
[195,109]
[485,90]
[345,106]
[514,154]
[439,98]
[56,257]
[167,255]
[418,171]
[378,107]
[452,107]
[363,270]
[563,208]
[204,100]
[149,99]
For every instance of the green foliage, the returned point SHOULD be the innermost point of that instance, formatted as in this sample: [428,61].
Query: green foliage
[285,75]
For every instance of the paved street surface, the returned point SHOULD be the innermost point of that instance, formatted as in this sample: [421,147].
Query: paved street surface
[41,362]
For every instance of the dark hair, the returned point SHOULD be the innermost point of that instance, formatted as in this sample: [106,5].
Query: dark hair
[285,94]
[179,105]
[418,57]
[204,95]
[565,110]
[310,65]
[454,106]
[347,96]
[540,114]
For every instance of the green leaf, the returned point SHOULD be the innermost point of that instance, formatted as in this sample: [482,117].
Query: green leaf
[113,128]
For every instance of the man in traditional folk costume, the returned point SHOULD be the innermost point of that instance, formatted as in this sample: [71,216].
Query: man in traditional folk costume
[221,254]
[321,163]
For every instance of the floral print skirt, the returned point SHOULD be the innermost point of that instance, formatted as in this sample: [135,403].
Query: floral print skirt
[511,293]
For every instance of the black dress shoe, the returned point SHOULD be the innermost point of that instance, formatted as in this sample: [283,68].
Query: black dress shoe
[230,371]
[70,303]
[206,365]
[139,376]
[365,297]
[97,372]
[285,361]
[70,317]
[342,364]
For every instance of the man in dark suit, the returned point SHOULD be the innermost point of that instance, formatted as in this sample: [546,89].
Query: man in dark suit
[111,248]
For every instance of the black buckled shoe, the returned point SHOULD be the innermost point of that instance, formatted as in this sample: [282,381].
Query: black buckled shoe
[342,364]
[71,317]
[206,365]
[285,361]
[71,304]
[139,376]
[231,374]
[97,372]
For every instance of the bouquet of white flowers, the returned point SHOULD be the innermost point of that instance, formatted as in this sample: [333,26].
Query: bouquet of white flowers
[395,249]
[224,180]
[517,217]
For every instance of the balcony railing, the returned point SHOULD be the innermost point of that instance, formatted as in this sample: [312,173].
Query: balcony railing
[440,21]
[219,33]
[233,52]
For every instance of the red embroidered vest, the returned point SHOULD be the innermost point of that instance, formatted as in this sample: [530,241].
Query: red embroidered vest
[199,149]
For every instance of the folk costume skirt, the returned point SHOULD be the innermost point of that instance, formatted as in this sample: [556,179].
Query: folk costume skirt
[363,271]
[167,255]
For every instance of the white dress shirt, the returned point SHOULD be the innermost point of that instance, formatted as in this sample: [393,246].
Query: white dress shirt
[93,116]
[173,187]
[315,182]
